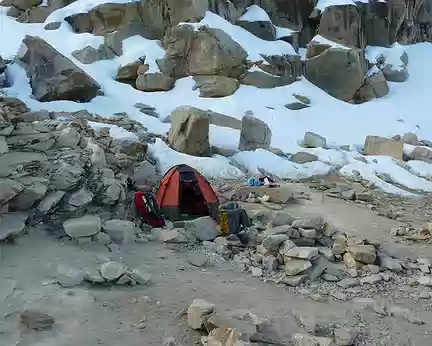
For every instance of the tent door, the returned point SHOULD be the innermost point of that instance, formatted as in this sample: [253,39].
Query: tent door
[192,202]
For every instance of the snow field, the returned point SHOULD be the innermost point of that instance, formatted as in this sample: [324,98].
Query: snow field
[402,110]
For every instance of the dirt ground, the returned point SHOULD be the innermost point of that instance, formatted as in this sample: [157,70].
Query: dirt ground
[145,315]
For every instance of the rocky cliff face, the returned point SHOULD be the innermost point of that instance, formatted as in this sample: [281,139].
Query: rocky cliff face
[199,39]
[65,166]
[204,51]
[373,22]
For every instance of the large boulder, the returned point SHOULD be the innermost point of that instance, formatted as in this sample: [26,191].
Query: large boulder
[154,82]
[85,226]
[342,24]
[316,46]
[129,72]
[40,12]
[205,51]
[382,20]
[398,74]
[145,175]
[421,154]
[215,86]
[155,16]
[2,65]
[9,189]
[189,132]
[375,85]
[21,4]
[264,80]
[89,54]
[375,145]
[52,75]
[257,21]
[120,231]
[254,133]
[223,120]
[203,228]
[12,224]
[346,70]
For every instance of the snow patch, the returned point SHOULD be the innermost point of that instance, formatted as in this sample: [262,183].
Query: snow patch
[263,161]
[216,167]
[255,13]
[116,132]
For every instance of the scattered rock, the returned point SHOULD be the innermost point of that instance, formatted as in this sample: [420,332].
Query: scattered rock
[405,314]
[296,266]
[349,69]
[254,134]
[425,281]
[303,157]
[197,260]
[375,86]
[300,252]
[313,140]
[69,277]
[53,76]
[345,336]
[120,231]
[189,132]
[348,282]
[375,145]
[139,275]
[371,279]
[198,312]
[256,272]
[363,253]
[215,86]
[306,340]
[151,82]
[85,226]
[36,320]
[93,276]
[410,138]
[12,224]
[112,271]
[389,263]
[203,228]
[272,242]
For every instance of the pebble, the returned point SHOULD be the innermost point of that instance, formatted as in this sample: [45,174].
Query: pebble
[348,282]
[371,279]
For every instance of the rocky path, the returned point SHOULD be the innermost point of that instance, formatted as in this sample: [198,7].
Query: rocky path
[148,314]
[357,220]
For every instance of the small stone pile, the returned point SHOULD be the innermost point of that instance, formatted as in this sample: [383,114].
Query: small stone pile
[420,234]
[109,272]
[52,170]
[245,328]
[290,251]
